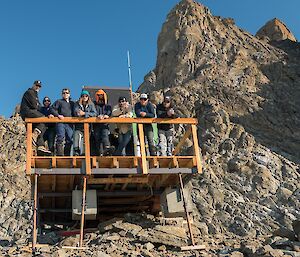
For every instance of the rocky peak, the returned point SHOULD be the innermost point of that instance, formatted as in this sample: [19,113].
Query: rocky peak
[275,30]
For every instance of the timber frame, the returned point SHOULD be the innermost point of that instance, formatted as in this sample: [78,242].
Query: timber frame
[134,181]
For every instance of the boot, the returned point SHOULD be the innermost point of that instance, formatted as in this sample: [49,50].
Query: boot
[42,150]
[76,151]
[35,134]
[59,149]
[67,151]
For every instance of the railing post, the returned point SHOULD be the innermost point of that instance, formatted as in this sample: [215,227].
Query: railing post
[87,148]
[196,148]
[143,150]
[29,148]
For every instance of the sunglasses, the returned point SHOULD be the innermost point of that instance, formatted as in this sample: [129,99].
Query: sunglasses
[65,93]
[143,99]
[38,85]
[122,101]
[47,100]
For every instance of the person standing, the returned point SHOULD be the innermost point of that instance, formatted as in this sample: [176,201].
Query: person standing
[84,107]
[30,108]
[144,109]
[123,110]
[50,133]
[101,130]
[165,131]
[64,131]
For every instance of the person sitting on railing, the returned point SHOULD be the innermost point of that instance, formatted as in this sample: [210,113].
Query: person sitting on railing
[64,131]
[144,109]
[84,107]
[101,130]
[165,131]
[30,108]
[50,133]
[123,110]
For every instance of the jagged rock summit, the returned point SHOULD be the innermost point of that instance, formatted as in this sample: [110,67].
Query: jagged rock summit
[275,30]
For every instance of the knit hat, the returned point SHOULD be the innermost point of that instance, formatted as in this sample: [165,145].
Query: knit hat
[85,92]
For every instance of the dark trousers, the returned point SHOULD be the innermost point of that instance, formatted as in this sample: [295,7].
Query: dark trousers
[123,141]
[101,137]
[49,136]
[64,132]
[148,131]
[40,126]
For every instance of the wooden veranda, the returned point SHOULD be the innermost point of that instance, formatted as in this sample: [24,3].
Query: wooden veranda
[123,183]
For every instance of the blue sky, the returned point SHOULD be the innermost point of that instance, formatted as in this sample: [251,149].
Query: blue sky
[75,43]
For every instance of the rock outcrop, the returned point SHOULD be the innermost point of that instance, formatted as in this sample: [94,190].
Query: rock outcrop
[15,204]
[275,30]
[245,93]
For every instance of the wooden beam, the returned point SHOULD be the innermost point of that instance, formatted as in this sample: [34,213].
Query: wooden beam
[186,135]
[174,162]
[133,180]
[185,209]
[114,120]
[196,148]
[143,150]
[29,148]
[87,149]
[82,211]
[108,185]
[53,162]
[125,185]
[114,163]
[35,204]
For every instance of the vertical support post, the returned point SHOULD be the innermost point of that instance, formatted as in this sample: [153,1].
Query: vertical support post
[87,148]
[35,204]
[196,148]
[143,150]
[82,211]
[185,209]
[29,148]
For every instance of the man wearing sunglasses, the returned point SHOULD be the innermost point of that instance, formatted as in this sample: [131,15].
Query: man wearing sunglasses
[144,109]
[123,110]
[30,108]
[165,131]
[50,133]
[64,131]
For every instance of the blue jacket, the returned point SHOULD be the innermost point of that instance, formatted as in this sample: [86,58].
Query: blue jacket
[89,109]
[148,109]
[62,107]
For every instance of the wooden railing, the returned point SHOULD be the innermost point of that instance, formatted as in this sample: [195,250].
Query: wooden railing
[191,131]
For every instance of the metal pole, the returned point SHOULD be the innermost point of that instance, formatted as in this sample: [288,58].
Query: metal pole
[129,71]
[135,139]
[186,210]
[82,212]
[35,197]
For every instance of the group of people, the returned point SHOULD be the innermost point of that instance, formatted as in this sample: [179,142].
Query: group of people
[62,137]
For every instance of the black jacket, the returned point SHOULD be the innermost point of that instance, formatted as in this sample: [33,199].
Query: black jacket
[161,111]
[62,107]
[102,109]
[46,112]
[30,102]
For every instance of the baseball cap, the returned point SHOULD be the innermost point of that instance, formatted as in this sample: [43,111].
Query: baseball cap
[143,96]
